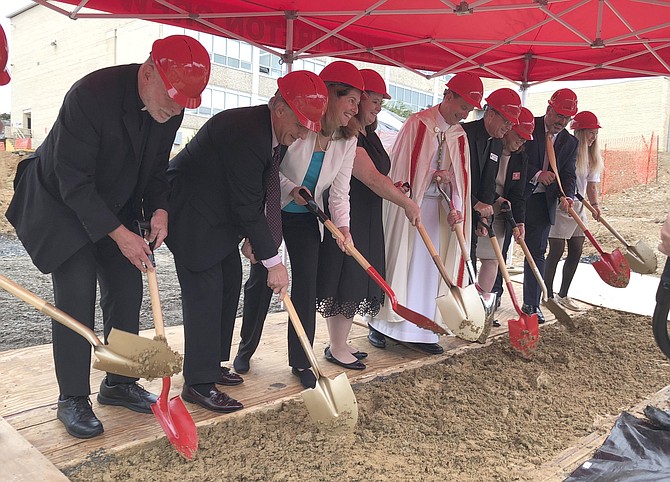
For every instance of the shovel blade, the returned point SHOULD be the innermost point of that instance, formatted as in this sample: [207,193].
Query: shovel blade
[524,334]
[462,312]
[134,356]
[332,403]
[178,425]
[613,269]
[641,258]
[561,316]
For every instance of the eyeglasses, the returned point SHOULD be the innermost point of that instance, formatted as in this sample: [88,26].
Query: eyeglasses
[561,117]
[506,123]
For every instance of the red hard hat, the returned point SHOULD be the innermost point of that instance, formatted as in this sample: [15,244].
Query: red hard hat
[526,124]
[374,82]
[506,102]
[585,120]
[343,73]
[306,95]
[564,102]
[4,56]
[468,86]
[183,64]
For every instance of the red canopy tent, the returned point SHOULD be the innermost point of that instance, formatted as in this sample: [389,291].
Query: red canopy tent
[526,41]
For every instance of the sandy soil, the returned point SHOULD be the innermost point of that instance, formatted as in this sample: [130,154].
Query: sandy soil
[483,415]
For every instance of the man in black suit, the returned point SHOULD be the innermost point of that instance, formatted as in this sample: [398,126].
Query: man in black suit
[225,187]
[542,191]
[76,198]
[484,139]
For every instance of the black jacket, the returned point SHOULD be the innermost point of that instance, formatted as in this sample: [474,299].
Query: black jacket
[95,170]
[218,189]
[485,152]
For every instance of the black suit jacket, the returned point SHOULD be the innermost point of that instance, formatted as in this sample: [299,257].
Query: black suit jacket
[565,147]
[218,189]
[102,164]
[515,183]
[485,153]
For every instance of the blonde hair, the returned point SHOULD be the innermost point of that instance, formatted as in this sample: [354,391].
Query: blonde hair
[589,159]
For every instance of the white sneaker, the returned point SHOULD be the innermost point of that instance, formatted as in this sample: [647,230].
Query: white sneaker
[568,303]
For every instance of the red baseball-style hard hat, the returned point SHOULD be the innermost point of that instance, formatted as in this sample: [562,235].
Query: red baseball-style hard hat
[374,82]
[585,120]
[183,64]
[344,73]
[4,57]
[306,95]
[468,86]
[526,124]
[564,102]
[506,102]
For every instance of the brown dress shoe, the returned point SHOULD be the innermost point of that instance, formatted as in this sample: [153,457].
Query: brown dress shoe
[228,378]
[217,401]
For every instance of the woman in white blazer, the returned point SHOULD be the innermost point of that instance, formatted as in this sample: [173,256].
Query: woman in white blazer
[322,161]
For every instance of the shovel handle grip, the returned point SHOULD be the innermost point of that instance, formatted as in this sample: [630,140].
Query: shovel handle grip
[602,220]
[302,336]
[49,310]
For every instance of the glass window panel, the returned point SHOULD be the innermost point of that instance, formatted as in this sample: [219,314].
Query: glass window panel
[219,59]
[218,99]
[219,45]
[231,100]
[233,62]
[245,52]
[233,49]
[206,41]
[205,110]
[245,65]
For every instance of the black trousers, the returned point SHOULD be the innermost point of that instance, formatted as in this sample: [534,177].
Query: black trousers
[209,305]
[302,238]
[74,284]
[537,232]
[257,298]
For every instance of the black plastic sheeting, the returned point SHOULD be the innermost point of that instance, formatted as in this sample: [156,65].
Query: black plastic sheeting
[637,450]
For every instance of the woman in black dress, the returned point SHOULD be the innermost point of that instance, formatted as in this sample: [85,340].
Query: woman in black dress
[344,289]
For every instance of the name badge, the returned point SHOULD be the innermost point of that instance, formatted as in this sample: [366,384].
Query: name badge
[516,176]
[494,157]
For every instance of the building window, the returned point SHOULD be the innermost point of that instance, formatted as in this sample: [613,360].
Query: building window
[231,53]
[313,65]
[414,99]
[270,65]
[215,100]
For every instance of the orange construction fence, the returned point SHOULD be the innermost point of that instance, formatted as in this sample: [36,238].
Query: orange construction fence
[629,161]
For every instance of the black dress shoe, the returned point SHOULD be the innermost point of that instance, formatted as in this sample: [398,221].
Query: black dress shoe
[430,348]
[530,309]
[77,415]
[241,364]
[129,395]
[376,339]
[306,376]
[215,401]
[360,355]
[355,365]
[229,378]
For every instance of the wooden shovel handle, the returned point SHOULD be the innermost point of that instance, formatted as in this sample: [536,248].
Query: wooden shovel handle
[551,154]
[302,336]
[152,280]
[601,220]
[433,253]
[49,310]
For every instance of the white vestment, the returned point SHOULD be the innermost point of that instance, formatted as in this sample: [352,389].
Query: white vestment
[410,270]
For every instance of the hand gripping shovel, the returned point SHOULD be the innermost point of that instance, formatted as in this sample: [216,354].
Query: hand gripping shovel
[412,316]
[560,314]
[659,321]
[172,415]
[124,354]
[488,300]
[524,333]
[612,268]
[330,401]
[641,258]
[460,308]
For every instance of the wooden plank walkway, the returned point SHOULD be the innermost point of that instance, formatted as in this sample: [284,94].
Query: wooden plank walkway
[28,393]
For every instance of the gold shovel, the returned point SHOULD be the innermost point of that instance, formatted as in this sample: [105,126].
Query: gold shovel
[331,403]
[124,354]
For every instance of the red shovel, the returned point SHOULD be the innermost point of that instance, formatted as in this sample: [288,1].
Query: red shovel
[172,415]
[412,316]
[612,268]
[524,333]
